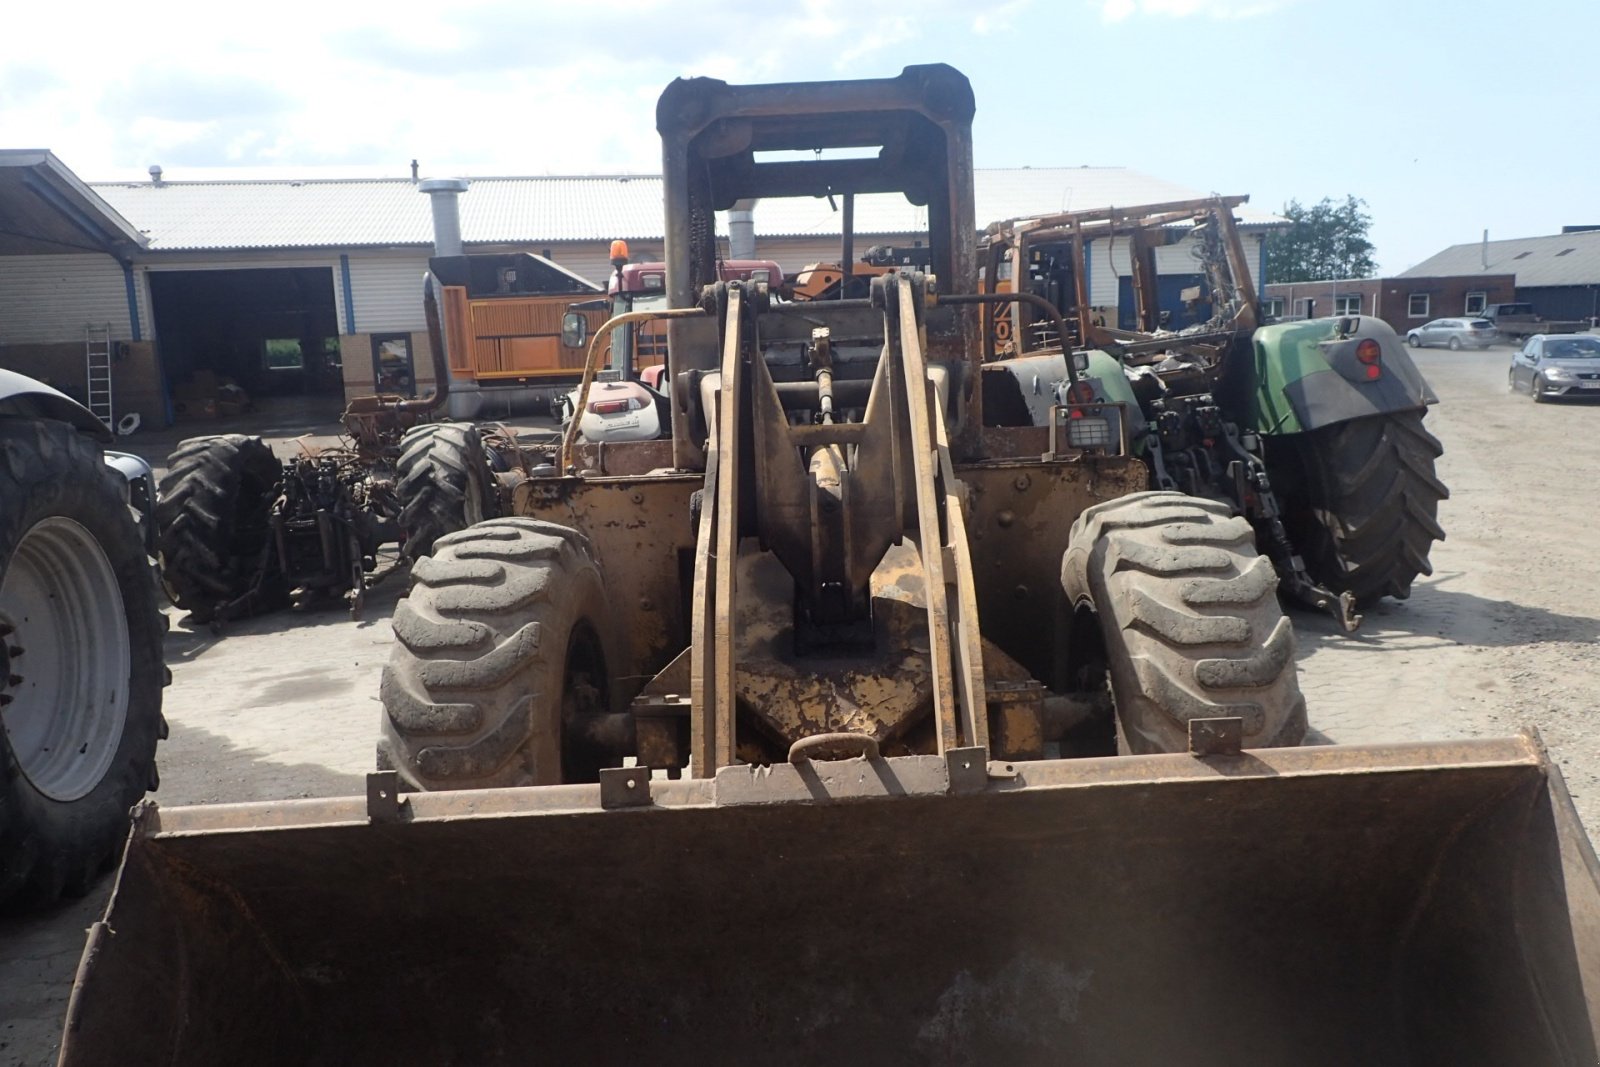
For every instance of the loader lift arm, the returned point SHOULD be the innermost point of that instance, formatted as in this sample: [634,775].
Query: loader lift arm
[831,516]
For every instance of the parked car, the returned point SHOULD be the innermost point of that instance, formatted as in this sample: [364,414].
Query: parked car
[1546,367]
[1517,322]
[1454,334]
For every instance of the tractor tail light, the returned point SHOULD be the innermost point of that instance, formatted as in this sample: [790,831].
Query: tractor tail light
[612,407]
[1369,352]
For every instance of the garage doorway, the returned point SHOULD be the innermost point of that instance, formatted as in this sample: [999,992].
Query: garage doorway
[273,331]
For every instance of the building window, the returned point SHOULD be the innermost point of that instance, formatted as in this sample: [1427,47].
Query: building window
[283,353]
[1417,306]
[1272,307]
[1305,308]
[392,364]
[1347,305]
[1476,302]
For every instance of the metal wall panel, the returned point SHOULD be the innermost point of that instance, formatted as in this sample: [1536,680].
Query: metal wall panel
[387,292]
[48,299]
[1563,302]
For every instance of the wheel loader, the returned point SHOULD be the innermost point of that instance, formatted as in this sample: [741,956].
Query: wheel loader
[755,744]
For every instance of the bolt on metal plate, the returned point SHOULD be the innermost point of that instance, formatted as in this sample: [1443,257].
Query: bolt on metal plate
[969,769]
[383,797]
[624,787]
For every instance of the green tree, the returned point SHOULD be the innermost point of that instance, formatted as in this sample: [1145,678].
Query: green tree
[1322,243]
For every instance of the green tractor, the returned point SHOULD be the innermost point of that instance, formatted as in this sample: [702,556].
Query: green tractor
[1312,430]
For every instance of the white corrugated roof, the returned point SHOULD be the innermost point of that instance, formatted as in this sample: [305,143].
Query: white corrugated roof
[1556,259]
[214,215]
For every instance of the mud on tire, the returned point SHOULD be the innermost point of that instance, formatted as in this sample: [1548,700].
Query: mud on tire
[1190,619]
[82,678]
[501,648]
[1362,504]
[211,517]
[444,484]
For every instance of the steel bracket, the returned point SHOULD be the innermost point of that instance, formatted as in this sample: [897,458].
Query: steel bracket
[968,768]
[1216,737]
[383,797]
[625,787]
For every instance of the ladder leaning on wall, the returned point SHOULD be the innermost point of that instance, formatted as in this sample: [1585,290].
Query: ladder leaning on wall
[97,362]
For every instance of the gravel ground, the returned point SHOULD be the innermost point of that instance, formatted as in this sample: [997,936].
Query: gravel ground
[1505,633]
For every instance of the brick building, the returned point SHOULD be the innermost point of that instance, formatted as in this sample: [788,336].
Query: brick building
[1404,302]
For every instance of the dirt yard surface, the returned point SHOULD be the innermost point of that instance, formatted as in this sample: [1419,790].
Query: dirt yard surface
[1505,633]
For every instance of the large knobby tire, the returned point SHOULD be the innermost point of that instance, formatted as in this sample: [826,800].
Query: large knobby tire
[212,520]
[444,484]
[1190,620]
[501,645]
[1362,506]
[80,663]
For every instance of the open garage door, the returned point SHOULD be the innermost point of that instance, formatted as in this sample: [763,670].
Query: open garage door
[273,331]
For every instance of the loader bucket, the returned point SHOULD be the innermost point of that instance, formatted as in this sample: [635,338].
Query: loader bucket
[1408,904]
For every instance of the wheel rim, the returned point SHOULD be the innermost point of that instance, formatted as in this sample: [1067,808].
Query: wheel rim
[61,598]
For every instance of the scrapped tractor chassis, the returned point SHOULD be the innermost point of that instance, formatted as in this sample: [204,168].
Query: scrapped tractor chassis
[1193,390]
[311,527]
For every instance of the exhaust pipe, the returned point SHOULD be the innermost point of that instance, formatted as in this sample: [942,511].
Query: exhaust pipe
[445,194]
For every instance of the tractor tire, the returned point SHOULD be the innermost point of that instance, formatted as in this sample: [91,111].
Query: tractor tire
[212,522]
[80,664]
[501,652]
[1362,508]
[444,484]
[1190,621]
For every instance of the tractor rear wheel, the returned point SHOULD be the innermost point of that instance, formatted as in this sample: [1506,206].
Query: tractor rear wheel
[444,484]
[1190,621]
[212,520]
[499,667]
[80,663]
[1362,504]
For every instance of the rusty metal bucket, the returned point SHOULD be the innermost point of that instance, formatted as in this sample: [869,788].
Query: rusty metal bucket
[1387,905]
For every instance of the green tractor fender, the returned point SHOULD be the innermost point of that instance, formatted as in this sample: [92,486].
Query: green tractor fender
[1307,375]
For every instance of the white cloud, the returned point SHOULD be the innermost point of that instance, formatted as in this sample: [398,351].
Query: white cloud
[474,86]
[1000,18]
[1118,10]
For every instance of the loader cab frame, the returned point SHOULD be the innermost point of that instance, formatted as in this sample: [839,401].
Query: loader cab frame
[722,144]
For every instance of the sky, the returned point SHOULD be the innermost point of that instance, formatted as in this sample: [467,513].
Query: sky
[1447,118]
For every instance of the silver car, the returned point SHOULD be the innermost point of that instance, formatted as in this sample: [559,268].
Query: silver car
[1551,365]
[1454,334]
